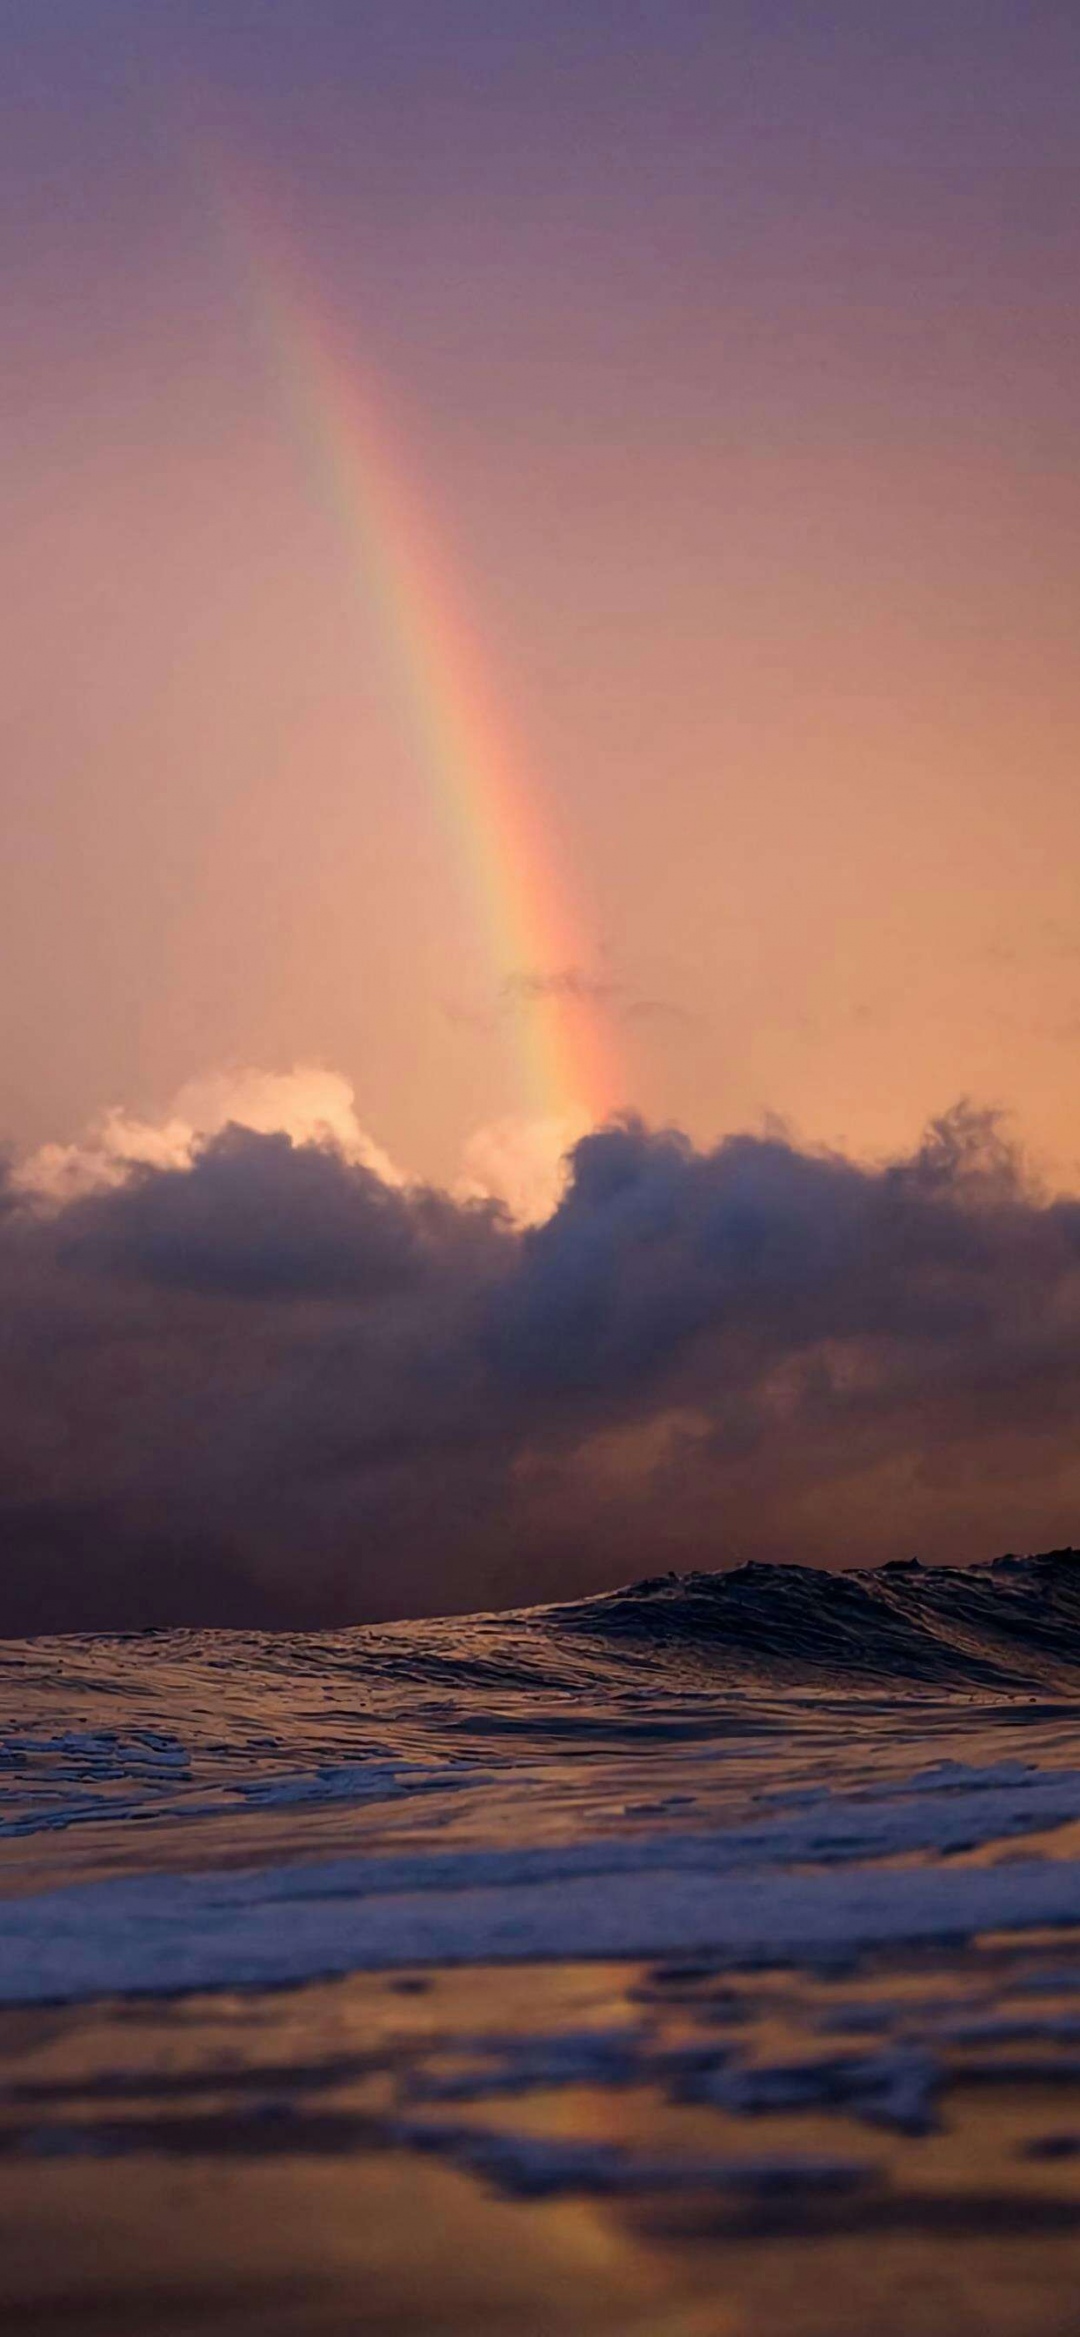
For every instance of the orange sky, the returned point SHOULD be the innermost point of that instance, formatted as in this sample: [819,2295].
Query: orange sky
[759,481]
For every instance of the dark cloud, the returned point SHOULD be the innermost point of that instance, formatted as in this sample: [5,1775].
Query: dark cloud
[257,1216]
[270,1388]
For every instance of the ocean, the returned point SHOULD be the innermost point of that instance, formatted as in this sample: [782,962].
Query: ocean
[699,1958]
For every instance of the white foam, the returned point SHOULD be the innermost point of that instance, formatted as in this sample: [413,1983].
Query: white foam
[165,1934]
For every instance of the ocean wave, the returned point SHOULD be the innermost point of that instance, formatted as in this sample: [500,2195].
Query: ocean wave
[1009,1626]
[808,1889]
[694,1692]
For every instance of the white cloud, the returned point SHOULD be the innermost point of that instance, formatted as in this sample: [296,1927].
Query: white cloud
[308,1103]
[521,1163]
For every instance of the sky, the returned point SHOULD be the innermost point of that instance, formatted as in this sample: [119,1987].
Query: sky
[541,576]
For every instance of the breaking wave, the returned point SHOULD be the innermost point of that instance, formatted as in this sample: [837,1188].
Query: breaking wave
[1010,1627]
[677,1702]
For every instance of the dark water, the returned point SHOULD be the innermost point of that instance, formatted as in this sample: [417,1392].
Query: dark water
[661,1712]
[641,1939]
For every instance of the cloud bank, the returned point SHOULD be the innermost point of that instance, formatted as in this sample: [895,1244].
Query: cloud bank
[253,1376]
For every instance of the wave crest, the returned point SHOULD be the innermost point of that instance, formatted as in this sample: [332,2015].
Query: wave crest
[1009,1626]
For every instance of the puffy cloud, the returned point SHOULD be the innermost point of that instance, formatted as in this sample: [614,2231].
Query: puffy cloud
[309,1104]
[260,1216]
[517,1161]
[523,1163]
[254,1378]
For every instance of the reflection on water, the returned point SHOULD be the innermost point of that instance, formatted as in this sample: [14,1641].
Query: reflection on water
[569,2147]
[802,2054]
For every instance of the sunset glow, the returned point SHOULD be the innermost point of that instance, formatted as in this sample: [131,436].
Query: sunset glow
[565,1062]
[540,1168]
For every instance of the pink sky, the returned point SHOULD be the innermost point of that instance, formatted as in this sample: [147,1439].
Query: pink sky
[740,399]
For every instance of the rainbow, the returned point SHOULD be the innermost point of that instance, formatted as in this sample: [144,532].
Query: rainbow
[565,1061]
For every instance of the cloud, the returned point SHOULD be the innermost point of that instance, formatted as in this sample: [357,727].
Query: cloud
[253,1379]
[523,1163]
[563,982]
[573,984]
[259,1216]
[308,1104]
[662,1010]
